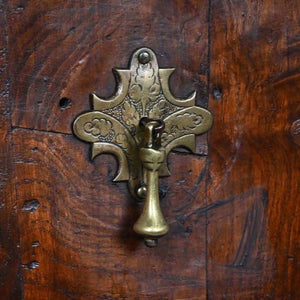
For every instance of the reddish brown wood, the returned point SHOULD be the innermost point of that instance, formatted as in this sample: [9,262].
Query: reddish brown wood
[76,226]
[68,49]
[252,158]
[10,275]
[66,228]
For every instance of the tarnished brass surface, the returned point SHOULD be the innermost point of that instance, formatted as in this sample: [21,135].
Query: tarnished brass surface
[116,125]
[151,224]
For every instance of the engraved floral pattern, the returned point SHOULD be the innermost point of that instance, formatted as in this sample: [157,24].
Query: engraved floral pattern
[121,140]
[145,86]
[100,128]
[143,91]
[137,93]
[130,114]
[181,124]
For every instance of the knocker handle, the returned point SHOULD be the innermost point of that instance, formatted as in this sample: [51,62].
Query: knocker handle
[140,124]
[151,224]
[153,129]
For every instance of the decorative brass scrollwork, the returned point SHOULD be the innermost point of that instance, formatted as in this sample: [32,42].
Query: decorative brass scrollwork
[140,124]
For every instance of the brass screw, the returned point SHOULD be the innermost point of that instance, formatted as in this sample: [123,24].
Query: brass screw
[150,242]
[141,192]
[144,57]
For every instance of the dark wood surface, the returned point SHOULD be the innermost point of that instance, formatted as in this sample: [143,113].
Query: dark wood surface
[66,228]
[10,264]
[253,252]
[83,225]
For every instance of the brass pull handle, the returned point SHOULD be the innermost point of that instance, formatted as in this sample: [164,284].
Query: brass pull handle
[151,224]
[141,124]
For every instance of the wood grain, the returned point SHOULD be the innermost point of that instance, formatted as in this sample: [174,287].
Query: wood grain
[10,275]
[76,226]
[255,65]
[66,228]
[68,49]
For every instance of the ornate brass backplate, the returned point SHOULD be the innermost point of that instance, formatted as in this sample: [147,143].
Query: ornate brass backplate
[114,124]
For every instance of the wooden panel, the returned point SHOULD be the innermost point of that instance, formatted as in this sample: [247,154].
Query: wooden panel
[76,226]
[76,238]
[10,276]
[253,161]
[68,48]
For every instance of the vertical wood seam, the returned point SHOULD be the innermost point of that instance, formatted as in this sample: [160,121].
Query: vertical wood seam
[207,160]
[11,141]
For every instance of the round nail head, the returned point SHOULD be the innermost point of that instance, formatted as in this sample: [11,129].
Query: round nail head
[144,57]
[150,242]
[141,192]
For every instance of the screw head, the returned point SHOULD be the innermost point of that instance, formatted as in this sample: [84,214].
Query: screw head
[144,57]
[151,243]
[141,192]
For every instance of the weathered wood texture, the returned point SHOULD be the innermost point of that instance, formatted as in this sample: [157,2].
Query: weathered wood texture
[234,217]
[10,275]
[253,245]
[75,225]
[68,49]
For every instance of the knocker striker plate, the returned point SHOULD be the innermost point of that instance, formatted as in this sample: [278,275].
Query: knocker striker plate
[140,124]
[143,91]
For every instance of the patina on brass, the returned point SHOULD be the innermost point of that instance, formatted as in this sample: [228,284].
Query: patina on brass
[116,125]
[151,224]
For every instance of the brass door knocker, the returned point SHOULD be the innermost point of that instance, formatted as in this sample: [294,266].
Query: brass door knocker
[140,124]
